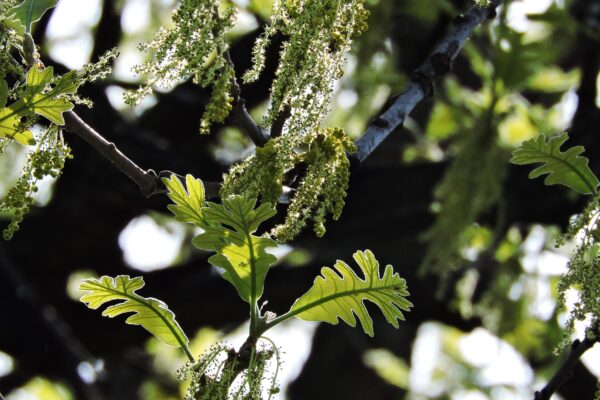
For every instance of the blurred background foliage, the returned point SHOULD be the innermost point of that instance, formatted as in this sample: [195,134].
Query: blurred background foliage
[473,237]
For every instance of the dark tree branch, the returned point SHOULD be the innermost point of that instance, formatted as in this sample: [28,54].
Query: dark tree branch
[421,86]
[240,114]
[566,369]
[422,81]
[246,123]
[148,181]
[277,127]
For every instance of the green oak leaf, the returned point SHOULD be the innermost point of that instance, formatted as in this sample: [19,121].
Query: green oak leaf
[9,127]
[39,98]
[24,138]
[229,232]
[25,14]
[188,204]
[37,80]
[334,296]
[50,108]
[67,84]
[150,313]
[48,103]
[567,168]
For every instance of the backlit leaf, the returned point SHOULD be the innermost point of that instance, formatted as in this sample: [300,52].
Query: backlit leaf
[9,127]
[188,204]
[39,98]
[567,168]
[229,233]
[340,293]
[150,313]
[28,12]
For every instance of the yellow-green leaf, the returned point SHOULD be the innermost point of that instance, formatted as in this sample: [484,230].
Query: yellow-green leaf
[229,232]
[38,79]
[67,84]
[24,138]
[28,12]
[340,293]
[9,127]
[188,203]
[50,108]
[150,313]
[567,168]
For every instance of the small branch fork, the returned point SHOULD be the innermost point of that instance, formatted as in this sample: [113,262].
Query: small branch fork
[422,81]
[565,372]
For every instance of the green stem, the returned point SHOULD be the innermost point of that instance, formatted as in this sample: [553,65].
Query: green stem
[187,352]
[253,297]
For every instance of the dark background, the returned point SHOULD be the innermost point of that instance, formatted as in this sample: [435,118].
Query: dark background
[387,209]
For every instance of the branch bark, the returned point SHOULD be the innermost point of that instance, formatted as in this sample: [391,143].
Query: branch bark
[148,181]
[422,81]
[240,114]
[566,369]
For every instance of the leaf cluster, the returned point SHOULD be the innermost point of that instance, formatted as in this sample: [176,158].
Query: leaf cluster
[569,168]
[229,230]
[34,96]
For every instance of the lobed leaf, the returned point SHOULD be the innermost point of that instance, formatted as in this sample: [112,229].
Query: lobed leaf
[152,314]
[341,294]
[9,127]
[229,232]
[39,98]
[48,103]
[28,12]
[567,168]
[188,204]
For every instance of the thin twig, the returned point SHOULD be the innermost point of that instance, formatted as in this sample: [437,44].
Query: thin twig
[422,81]
[565,371]
[277,127]
[148,181]
[240,114]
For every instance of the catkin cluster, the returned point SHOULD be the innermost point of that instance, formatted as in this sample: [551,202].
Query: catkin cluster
[323,188]
[194,47]
[583,271]
[317,164]
[220,373]
[48,159]
[320,33]
[472,184]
